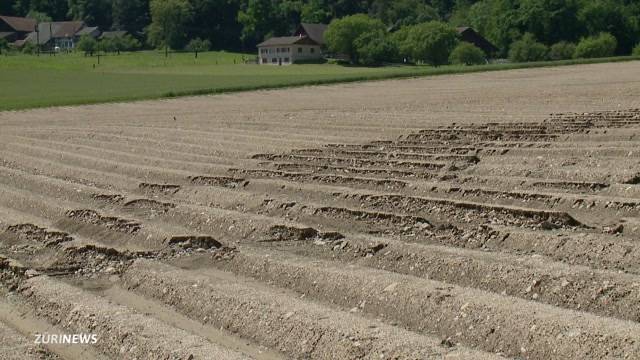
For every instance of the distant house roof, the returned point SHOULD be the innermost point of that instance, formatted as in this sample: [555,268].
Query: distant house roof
[113,34]
[55,30]
[287,40]
[19,24]
[89,30]
[314,31]
[469,35]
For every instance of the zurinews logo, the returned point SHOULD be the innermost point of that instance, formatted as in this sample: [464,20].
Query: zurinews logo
[66,339]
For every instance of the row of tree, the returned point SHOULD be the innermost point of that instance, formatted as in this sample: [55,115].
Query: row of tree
[241,24]
[367,41]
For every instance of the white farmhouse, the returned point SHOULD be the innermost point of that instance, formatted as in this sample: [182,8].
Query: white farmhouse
[288,50]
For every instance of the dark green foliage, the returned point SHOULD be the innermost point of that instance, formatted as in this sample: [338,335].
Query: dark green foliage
[431,42]
[398,13]
[39,16]
[169,19]
[4,45]
[528,49]
[375,48]
[636,50]
[198,45]
[29,48]
[562,51]
[602,45]
[130,15]
[94,12]
[613,17]
[467,54]
[342,33]
[118,44]
[87,44]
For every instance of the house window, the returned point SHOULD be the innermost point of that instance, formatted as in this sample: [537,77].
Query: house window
[299,49]
[286,60]
[274,60]
[264,60]
[312,50]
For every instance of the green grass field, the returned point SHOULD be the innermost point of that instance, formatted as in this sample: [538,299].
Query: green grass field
[28,81]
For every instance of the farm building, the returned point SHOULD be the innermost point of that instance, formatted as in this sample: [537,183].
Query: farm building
[288,50]
[469,35]
[15,28]
[62,34]
[114,34]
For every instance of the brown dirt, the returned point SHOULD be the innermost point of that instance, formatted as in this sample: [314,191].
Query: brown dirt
[446,217]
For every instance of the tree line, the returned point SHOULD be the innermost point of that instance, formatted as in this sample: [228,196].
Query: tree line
[241,24]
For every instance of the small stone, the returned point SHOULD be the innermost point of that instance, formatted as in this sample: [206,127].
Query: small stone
[31,273]
[391,287]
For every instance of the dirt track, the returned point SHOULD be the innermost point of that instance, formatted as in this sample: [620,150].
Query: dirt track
[449,217]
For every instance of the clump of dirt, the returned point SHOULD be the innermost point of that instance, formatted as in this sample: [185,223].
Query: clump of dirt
[111,222]
[164,189]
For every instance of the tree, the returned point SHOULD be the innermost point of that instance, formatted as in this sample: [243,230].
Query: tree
[315,11]
[562,51]
[375,48]
[342,33]
[39,16]
[198,45]
[401,39]
[398,13]
[602,45]
[467,54]
[168,21]
[92,12]
[431,42]
[87,44]
[130,15]
[265,18]
[57,9]
[613,17]
[636,50]
[216,20]
[528,49]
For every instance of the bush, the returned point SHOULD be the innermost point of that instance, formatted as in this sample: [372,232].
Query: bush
[562,51]
[430,42]
[527,49]
[375,48]
[342,33]
[87,44]
[602,45]
[198,45]
[636,50]
[29,48]
[4,45]
[467,54]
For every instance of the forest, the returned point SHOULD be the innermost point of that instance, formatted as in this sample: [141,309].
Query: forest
[238,25]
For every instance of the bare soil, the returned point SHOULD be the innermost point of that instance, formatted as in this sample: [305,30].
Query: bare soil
[481,216]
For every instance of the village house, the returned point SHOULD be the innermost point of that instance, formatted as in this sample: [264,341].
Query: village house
[15,29]
[288,50]
[471,36]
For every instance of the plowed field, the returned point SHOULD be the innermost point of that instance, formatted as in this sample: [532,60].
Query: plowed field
[482,216]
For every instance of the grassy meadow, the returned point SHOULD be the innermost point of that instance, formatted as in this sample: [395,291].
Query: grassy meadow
[28,81]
